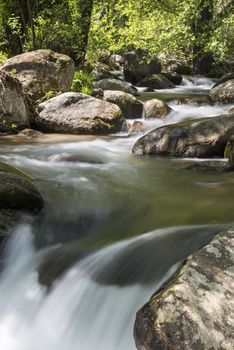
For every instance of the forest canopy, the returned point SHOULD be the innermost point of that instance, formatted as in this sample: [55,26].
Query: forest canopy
[88,29]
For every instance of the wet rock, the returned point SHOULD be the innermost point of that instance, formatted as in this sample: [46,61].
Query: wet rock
[137,66]
[17,193]
[77,113]
[15,110]
[174,77]
[156,81]
[231,110]
[30,134]
[137,127]
[196,310]
[156,109]
[223,90]
[131,108]
[42,71]
[8,220]
[210,165]
[229,152]
[203,138]
[116,85]
[66,157]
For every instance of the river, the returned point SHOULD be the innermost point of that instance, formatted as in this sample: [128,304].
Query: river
[114,228]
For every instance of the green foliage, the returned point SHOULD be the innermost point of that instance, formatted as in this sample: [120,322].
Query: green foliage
[82,82]
[3,57]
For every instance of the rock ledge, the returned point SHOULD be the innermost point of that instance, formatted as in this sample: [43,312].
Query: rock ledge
[196,310]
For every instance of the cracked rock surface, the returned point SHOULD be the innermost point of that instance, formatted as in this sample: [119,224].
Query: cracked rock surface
[196,310]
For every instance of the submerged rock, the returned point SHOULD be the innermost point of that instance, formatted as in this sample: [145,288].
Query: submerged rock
[15,110]
[156,81]
[42,71]
[196,310]
[129,105]
[156,109]
[203,138]
[210,165]
[116,85]
[30,134]
[77,113]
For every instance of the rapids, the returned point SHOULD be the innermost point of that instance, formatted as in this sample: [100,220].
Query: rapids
[115,227]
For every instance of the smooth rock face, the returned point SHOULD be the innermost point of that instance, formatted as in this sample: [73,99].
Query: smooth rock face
[116,85]
[77,113]
[174,77]
[42,71]
[156,81]
[137,67]
[14,106]
[17,193]
[206,137]
[8,220]
[196,310]
[156,109]
[223,92]
[129,105]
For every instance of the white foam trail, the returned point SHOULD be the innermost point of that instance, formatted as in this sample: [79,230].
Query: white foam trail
[78,313]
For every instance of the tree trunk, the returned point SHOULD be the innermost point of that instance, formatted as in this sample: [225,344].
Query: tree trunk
[202,28]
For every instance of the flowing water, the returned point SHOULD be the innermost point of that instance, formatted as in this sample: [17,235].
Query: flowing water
[115,227]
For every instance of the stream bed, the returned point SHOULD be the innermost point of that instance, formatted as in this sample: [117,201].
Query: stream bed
[114,228]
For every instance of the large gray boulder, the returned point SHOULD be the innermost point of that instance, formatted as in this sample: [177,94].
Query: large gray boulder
[77,113]
[129,105]
[137,65]
[223,90]
[206,137]
[42,71]
[15,109]
[196,309]
[156,81]
[115,85]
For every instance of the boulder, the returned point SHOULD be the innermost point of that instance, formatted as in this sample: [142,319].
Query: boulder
[16,193]
[229,152]
[196,309]
[180,68]
[100,72]
[15,109]
[156,81]
[116,85]
[136,128]
[174,77]
[30,134]
[77,113]
[42,71]
[8,220]
[131,108]
[210,165]
[223,90]
[203,138]
[137,65]
[156,109]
